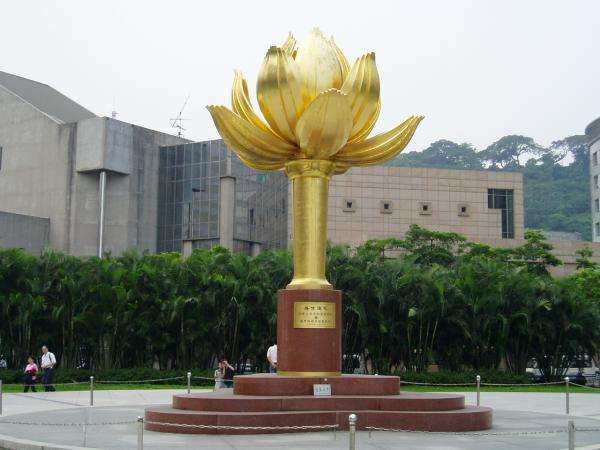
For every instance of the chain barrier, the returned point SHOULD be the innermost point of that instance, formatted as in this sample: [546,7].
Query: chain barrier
[437,384]
[239,427]
[212,379]
[46,424]
[490,433]
[139,381]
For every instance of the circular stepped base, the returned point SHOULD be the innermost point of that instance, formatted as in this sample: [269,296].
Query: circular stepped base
[466,419]
[282,401]
[222,401]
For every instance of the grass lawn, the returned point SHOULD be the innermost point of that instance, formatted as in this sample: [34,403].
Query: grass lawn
[547,388]
[8,388]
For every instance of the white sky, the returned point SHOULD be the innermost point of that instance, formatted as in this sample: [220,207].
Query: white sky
[477,69]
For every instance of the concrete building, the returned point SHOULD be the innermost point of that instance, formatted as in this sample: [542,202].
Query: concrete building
[60,161]
[592,131]
[26,232]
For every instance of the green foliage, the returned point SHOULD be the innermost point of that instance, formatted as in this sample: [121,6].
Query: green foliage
[124,375]
[556,179]
[431,298]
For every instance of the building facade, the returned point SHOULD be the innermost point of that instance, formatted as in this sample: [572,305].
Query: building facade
[592,132]
[94,178]
[207,197]
[379,202]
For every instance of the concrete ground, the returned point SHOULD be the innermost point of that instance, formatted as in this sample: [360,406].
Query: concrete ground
[57,418]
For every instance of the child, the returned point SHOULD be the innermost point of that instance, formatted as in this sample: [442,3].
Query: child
[30,375]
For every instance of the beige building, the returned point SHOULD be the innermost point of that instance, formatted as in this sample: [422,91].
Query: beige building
[380,202]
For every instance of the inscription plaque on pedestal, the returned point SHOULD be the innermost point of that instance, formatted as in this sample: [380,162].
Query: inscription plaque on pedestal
[314,315]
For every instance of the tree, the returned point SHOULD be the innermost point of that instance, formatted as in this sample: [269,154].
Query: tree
[509,152]
[583,258]
[443,154]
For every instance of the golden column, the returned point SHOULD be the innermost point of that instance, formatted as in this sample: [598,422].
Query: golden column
[319,113]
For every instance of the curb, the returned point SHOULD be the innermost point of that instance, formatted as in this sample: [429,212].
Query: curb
[12,443]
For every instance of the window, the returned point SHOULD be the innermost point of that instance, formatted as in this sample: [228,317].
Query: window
[425,208]
[385,207]
[463,210]
[595,158]
[503,199]
[597,226]
[0,158]
[597,205]
[251,216]
[595,181]
[349,205]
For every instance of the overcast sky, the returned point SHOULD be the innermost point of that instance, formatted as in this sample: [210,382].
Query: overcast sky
[478,70]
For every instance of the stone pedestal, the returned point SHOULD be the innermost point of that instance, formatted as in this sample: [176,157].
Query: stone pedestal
[309,332]
[309,340]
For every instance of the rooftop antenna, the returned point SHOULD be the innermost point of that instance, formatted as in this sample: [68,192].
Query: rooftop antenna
[177,121]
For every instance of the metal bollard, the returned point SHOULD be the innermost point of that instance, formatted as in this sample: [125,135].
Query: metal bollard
[352,428]
[567,394]
[91,391]
[140,433]
[571,435]
[0,397]
[189,379]
[478,378]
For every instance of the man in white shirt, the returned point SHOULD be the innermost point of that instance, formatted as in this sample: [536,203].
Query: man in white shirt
[272,358]
[48,363]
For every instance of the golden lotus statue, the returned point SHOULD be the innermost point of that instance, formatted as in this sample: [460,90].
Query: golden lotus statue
[319,113]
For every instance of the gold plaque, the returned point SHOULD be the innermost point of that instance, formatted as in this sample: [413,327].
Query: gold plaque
[314,315]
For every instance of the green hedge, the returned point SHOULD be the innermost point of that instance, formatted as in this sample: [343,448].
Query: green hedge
[71,375]
[74,375]
[467,376]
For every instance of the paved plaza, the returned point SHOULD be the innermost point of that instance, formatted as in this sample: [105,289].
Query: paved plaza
[57,418]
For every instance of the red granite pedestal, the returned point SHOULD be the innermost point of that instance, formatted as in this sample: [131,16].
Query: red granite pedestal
[309,352]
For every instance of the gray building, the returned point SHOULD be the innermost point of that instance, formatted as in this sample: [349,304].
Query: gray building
[207,197]
[26,232]
[592,131]
[95,179]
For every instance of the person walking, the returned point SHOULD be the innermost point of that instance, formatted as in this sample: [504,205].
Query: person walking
[272,358]
[31,371]
[48,363]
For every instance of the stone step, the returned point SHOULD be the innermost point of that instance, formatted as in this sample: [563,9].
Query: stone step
[272,384]
[225,401]
[470,418]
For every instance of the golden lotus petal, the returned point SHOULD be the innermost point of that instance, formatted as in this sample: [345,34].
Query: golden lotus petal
[289,46]
[248,141]
[261,165]
[362,88]
[341,58]
[318,64]
[380,148]
[325,125]
[362,135]
[240,102]
[280,95]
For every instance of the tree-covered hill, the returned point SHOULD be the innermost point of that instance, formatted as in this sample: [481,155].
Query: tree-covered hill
[556,178]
